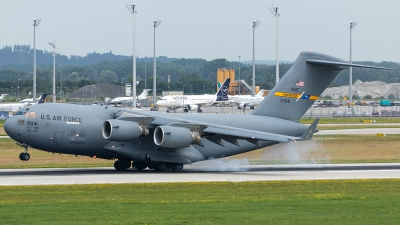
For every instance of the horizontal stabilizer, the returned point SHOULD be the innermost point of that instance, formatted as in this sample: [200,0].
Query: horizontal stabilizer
[333,63]
[308,134]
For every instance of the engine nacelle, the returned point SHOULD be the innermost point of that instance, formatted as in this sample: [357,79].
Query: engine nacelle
[175,137]
[120,130]
[193,107]
[242,106]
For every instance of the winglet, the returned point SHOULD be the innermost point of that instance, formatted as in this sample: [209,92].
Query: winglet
[308,134]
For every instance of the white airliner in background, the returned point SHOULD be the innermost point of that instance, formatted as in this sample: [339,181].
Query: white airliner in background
[14,107]
[194,102]
[30,100]
[242,101]
[119,100]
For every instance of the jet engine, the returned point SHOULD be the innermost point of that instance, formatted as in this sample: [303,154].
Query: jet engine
[242,106]
[193,107]
[120,130]
[175,137]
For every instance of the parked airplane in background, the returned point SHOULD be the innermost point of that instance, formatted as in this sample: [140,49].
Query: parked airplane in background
[120,100]
[194,102]
[14,107]
[30,100]
[2,96]
[167,141]
[242,101]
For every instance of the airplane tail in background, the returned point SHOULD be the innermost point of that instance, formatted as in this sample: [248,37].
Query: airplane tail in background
[260,93]
[302,84]
[2,96]
[143,95]
[42,98]
[222,94]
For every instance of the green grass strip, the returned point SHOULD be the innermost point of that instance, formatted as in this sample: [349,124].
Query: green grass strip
[270,202]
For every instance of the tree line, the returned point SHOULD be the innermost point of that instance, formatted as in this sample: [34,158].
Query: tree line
[198,75]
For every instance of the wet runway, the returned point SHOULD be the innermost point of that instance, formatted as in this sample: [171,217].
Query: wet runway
[200,173]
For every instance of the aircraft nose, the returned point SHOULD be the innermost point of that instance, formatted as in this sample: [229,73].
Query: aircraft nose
[9,126]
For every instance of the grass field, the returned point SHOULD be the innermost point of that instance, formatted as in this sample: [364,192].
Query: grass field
[272,202]
[323,149]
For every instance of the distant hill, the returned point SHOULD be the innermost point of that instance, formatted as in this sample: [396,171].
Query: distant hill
[21,57]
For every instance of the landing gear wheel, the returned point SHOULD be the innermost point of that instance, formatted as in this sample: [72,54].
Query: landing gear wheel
[122,165]
[199,110]
[139,165]
[24,156]
[251,107]
[161,166]
[186,110]
[117,165]
[177,167]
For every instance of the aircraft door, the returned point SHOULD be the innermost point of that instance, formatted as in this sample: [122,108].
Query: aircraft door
[58,138]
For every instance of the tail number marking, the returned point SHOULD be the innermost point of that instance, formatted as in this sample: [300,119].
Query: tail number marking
[284,100]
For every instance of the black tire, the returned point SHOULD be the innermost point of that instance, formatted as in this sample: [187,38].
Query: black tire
[161,166]
[251,107]
[177,167]
[139,165]
[24,156]
[118,165]
[199,110]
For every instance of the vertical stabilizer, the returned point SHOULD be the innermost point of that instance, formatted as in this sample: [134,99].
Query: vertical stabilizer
[222,94]
[302,84]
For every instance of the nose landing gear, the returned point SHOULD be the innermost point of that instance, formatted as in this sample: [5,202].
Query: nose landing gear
[24,156]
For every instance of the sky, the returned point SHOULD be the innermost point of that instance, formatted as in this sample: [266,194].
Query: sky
[207,29]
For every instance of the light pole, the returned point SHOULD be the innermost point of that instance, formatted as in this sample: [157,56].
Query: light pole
[397,94]
[213,87]
[11,92]
[255,24]
[61,79]
[145,75]
[191,89]
[131,8]
[183,97]
[53,44]
[122,84]
[18,87]
[156,24]
[35,24]
[239,75]
[86,88]
[274,11]
[352,25]
[341,88]
[204,90]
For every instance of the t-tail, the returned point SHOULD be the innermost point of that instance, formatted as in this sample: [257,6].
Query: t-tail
[302,84]
[222,94]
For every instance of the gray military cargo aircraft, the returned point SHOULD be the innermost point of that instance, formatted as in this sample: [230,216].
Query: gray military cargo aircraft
[163,141]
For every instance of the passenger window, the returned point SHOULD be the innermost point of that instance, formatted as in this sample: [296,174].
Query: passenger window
[26,114]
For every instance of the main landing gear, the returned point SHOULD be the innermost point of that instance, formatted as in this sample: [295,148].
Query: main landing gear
[141,165]
[24,156]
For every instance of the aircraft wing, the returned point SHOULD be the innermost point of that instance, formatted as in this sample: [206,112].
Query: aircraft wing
[231,134]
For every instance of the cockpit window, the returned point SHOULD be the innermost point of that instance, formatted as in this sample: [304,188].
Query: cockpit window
[32,115]
[19,113]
